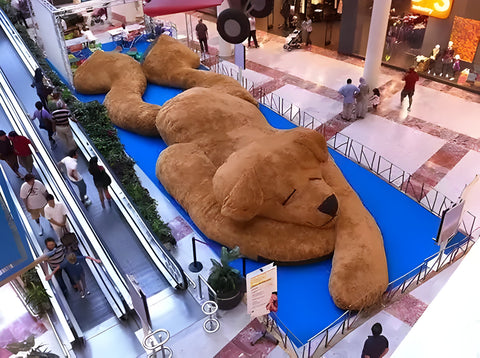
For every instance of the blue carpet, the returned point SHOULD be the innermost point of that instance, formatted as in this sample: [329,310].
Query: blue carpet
[305,305]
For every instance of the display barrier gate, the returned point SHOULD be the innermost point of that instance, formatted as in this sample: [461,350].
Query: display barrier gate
[425,195]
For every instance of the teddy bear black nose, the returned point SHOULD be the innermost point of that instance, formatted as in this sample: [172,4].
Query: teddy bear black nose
[329,206]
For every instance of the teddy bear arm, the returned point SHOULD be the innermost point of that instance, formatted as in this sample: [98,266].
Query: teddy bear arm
[359,268]
[186,172]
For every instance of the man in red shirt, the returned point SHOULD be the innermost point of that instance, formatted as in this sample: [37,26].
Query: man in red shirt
[410,78]
[21,146]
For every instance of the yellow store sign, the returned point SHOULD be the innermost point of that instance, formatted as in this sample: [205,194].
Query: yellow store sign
[434,8]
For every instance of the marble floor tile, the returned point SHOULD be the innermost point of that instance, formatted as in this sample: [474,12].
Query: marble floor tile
[408,309]
[449,326]
[458,177]
[316,68]
[320,107]
[256,78]
[441,109]
[180,228]
[428,290]
[403,146]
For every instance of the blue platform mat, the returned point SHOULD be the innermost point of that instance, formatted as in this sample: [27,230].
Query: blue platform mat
[305,305]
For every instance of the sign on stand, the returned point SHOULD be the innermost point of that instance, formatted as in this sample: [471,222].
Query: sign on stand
[139,301]
[260,285]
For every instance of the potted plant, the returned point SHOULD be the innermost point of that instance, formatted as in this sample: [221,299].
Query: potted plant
[227,281]
[35,294]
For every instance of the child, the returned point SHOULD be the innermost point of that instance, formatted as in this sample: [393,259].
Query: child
[75,271]
[375,99]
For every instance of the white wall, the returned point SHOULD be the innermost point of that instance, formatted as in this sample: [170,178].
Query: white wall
[51,37]
[131,11]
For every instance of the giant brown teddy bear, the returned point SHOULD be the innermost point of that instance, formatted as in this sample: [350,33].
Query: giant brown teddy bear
[277,194]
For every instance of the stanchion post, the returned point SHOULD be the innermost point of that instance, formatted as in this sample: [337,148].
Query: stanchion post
[195,266]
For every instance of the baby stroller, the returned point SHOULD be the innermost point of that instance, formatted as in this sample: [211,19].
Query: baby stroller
[293,40]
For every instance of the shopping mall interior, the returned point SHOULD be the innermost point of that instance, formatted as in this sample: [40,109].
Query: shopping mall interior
[151,256]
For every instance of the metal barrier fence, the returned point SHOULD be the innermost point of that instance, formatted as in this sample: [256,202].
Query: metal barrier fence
[401,285]
[273,101]
[425,195]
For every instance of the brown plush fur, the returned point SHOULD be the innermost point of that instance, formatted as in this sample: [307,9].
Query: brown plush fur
[272,192]
[182,70]
[122,77]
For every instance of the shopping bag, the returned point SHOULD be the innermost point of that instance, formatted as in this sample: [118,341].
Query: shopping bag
[69,241]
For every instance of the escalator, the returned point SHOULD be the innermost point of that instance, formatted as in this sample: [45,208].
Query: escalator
[116,234]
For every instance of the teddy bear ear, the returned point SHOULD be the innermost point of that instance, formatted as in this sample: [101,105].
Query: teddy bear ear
[314,141]
[243,202]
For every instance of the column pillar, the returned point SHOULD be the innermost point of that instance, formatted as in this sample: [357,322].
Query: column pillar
[225,49]
[376,41]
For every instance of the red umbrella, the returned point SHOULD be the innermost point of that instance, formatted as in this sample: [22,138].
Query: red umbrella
[165,7]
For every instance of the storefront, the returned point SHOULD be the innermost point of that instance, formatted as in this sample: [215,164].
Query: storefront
[419,34]
[326,16]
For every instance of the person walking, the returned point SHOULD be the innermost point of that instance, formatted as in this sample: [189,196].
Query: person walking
[60,118]
[56,213]
[76,271]
[45,122]
[21,145]
[70,163]
[307,27]
[34,196]
[8,154]
[42,90]
[376,346]
[202,35]
[55,255]
[101,180]
[362,98]
[253,32]
[410,78]
[348,92]
[21,11]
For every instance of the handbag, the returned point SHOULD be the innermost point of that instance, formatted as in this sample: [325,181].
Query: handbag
[47,83]
[106,178]
[69,241]
[45,123]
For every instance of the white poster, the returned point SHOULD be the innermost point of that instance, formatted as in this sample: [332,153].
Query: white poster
[260,285]
[450,223]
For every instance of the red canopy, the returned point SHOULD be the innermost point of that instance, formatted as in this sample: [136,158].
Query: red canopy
[165,7]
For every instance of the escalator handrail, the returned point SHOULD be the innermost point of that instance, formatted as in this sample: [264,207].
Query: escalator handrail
[59,304]
[113,285]
[171,269]
[17,42]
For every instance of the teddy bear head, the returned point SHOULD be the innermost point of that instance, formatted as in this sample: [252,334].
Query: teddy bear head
[278,177]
